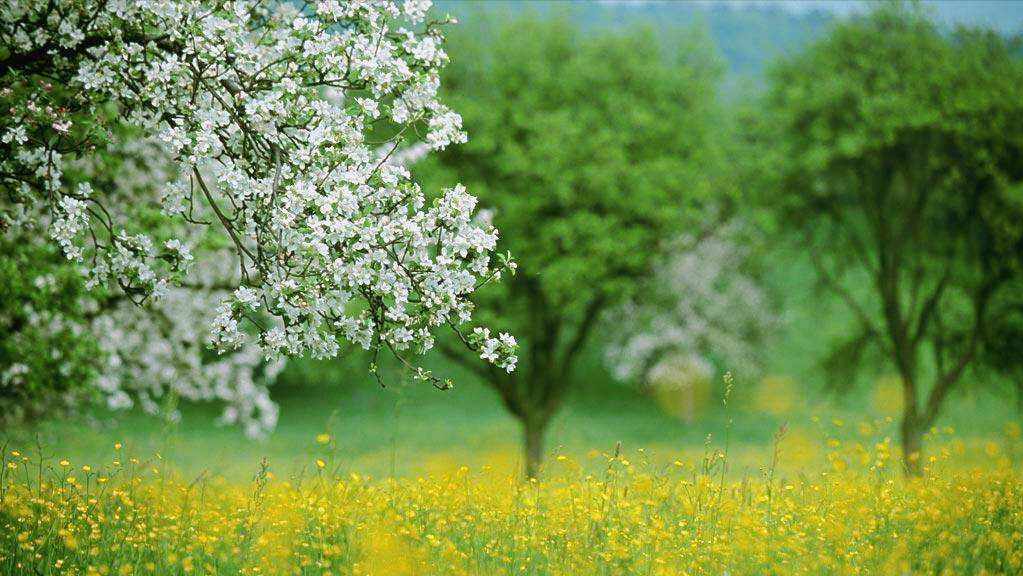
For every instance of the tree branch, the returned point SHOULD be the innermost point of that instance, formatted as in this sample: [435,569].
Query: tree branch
[837,288]
[946,380]
[241,249]
[459,358]
[582,332]
[930,307]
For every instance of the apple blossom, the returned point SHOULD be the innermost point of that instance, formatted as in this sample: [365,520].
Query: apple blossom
[703,302]
[272,125]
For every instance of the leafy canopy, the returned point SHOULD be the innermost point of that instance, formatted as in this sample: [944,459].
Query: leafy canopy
[585,149]
[586,152]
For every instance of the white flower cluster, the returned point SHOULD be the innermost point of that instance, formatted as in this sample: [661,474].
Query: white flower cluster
[69,222]
[702,303]
[272,113]
[101,343]
[148,353]
[499,351]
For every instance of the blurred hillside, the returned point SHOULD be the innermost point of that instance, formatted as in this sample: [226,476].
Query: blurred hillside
[747,38]
[748,34]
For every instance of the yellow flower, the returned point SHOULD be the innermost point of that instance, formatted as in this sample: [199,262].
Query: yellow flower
[991,449]
[656,515]
[322,438]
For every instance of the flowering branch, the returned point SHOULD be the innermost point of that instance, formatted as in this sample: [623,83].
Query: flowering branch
[265,107]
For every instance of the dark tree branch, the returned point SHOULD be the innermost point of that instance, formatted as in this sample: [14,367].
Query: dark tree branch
[240,248]
[582,332]
[947,380]
[831,283]
[474,365]
[929,308]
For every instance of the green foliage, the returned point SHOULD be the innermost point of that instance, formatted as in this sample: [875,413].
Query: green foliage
[591,152]
[40,311]
[896,153]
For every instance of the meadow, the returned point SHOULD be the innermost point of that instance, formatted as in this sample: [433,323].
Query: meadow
[409,429]
[618,512]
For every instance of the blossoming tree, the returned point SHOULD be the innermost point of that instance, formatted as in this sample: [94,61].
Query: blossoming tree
[225,165]
[704,301]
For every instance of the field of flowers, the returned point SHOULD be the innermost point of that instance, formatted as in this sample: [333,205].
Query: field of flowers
[619,513]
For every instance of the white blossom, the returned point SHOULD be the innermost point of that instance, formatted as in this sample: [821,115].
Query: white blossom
[702,302]
[261,111]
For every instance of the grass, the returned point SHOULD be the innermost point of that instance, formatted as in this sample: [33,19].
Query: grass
[409,430]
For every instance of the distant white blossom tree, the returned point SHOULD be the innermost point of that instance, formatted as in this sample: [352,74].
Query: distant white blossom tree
[225,165]
[703,300]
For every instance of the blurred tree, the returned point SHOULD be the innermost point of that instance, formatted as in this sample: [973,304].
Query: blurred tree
[705,298]
[899,153]
[587,149]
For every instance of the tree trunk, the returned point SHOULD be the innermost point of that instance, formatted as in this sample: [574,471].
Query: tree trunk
[912,443]
[532,448]
[912,423]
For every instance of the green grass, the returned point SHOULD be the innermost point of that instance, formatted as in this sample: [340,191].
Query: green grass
[414,429]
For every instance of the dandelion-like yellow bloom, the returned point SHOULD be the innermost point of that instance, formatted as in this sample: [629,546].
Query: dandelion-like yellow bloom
[857,515]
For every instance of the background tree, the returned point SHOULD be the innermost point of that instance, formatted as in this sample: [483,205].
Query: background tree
[706,298]
[899,155]
[586,152]
[67,345]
